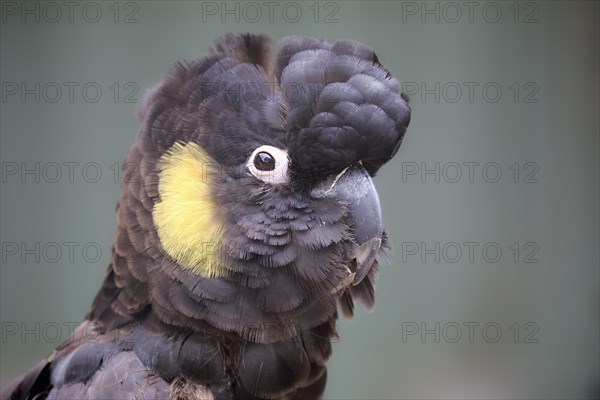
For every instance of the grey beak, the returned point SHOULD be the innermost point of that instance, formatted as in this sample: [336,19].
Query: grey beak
[355,187]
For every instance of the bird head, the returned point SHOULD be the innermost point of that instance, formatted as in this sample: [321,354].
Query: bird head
[254,205]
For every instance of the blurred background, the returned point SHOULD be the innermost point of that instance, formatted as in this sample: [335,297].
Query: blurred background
[492,202]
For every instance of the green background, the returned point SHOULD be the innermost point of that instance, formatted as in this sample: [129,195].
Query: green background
[542,55]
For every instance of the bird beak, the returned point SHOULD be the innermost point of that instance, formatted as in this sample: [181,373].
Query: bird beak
[355,188]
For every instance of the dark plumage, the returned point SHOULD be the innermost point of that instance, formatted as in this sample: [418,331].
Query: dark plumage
[287,253]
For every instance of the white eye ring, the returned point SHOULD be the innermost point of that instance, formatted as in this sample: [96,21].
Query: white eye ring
[269,164]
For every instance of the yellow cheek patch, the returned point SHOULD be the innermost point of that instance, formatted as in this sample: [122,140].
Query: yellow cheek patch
[185,216]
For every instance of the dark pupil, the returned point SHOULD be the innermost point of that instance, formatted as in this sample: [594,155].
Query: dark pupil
[264,162]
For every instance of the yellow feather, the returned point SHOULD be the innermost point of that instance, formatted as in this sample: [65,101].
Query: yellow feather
[186,215]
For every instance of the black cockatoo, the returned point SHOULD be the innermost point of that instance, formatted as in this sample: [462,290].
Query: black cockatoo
[247,217]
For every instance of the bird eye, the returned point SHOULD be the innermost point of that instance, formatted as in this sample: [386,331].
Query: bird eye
[263,161]
[269,164]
